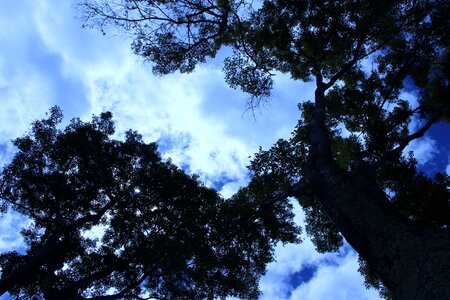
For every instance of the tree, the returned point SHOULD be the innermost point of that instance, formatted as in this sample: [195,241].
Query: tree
[359,54]
[163,234]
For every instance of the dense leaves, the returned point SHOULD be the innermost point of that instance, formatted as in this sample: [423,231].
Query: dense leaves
[111,218]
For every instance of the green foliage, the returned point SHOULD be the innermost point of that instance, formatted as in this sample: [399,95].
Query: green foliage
[162,232]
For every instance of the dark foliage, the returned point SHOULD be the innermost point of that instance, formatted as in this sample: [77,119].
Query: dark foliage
[161,234]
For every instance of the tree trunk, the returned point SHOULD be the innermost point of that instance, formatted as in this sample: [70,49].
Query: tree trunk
[413,262]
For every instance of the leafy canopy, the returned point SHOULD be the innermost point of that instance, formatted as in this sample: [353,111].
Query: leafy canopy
[112,218]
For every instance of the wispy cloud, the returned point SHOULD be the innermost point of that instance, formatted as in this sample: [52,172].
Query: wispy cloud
[424,149]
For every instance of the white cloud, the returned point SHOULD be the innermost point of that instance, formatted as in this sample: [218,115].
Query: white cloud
[424,149]
[410,97]
[335,275]
[10,225]
[31,75]
[230,188]
[336,282]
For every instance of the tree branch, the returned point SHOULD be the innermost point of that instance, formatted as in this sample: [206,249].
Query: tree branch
[402,145]
[246,50]
[347,66]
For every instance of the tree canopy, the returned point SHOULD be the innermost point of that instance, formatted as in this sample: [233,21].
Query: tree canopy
[112,220]
[360,55]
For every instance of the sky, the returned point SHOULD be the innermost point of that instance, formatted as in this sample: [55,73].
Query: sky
[47,59]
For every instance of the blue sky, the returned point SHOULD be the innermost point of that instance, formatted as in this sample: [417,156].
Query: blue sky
[47,59]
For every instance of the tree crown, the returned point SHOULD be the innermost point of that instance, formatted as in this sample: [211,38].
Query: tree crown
[163,234]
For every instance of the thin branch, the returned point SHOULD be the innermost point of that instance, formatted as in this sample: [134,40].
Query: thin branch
[28,211]
[413,136]
[88,280]
[347,66]
[246,50]
[367,152]
[94,217]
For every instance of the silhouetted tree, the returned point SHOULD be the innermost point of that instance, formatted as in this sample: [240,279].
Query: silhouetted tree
[160,233]
[359,54]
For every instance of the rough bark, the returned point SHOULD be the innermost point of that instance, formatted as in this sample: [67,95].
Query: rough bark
[413,262]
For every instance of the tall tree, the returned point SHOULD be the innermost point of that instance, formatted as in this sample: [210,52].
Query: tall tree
[359,54]
[160,233]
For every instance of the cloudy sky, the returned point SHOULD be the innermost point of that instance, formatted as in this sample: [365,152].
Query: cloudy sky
[47,59]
